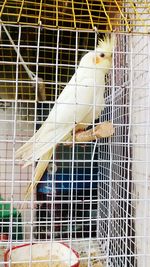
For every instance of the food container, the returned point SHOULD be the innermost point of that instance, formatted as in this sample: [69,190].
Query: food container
[52,254]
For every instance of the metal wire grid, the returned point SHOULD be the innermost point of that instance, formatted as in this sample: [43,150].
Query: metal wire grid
[116,229]
[73,205]
[123,188]
[105,15]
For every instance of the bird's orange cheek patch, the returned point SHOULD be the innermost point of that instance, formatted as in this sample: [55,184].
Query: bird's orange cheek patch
[96,60]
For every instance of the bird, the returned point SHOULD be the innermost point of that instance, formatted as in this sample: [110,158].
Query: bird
[77,107]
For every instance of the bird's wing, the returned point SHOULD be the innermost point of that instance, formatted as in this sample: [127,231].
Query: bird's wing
[50,123]
[70,108]
[96,109]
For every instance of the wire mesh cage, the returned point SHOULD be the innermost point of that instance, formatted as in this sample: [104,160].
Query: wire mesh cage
[103,14]
[94,195]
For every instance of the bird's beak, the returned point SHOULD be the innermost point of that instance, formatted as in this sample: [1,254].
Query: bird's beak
[96,60]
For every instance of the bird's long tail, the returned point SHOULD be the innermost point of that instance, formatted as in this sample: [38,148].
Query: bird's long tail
[43,152]
[39,171]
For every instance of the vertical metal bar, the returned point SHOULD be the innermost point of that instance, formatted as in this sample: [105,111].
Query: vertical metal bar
[14,142]
[91,196]
[20,12]
[40,11]
[57,18]
[111,160]
[147,152]
[128,147]
[53,159]
[2,8]
[33,162]
[73,145]
[74,16]
[89,10]
[107,16]
[93,106]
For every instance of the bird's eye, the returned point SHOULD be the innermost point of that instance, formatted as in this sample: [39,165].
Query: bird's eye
[102,55]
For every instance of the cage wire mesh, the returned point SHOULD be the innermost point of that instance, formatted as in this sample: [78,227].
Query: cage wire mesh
[95,195]
[78,14]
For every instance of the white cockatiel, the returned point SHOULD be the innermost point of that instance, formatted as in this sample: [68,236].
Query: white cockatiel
[79,104]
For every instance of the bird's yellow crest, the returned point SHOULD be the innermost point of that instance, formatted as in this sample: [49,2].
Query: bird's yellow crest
[107,44]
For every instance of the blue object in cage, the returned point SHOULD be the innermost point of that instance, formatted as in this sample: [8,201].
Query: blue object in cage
[81,179]
[63,180]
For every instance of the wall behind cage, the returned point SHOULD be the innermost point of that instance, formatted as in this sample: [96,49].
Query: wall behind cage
[140,140]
